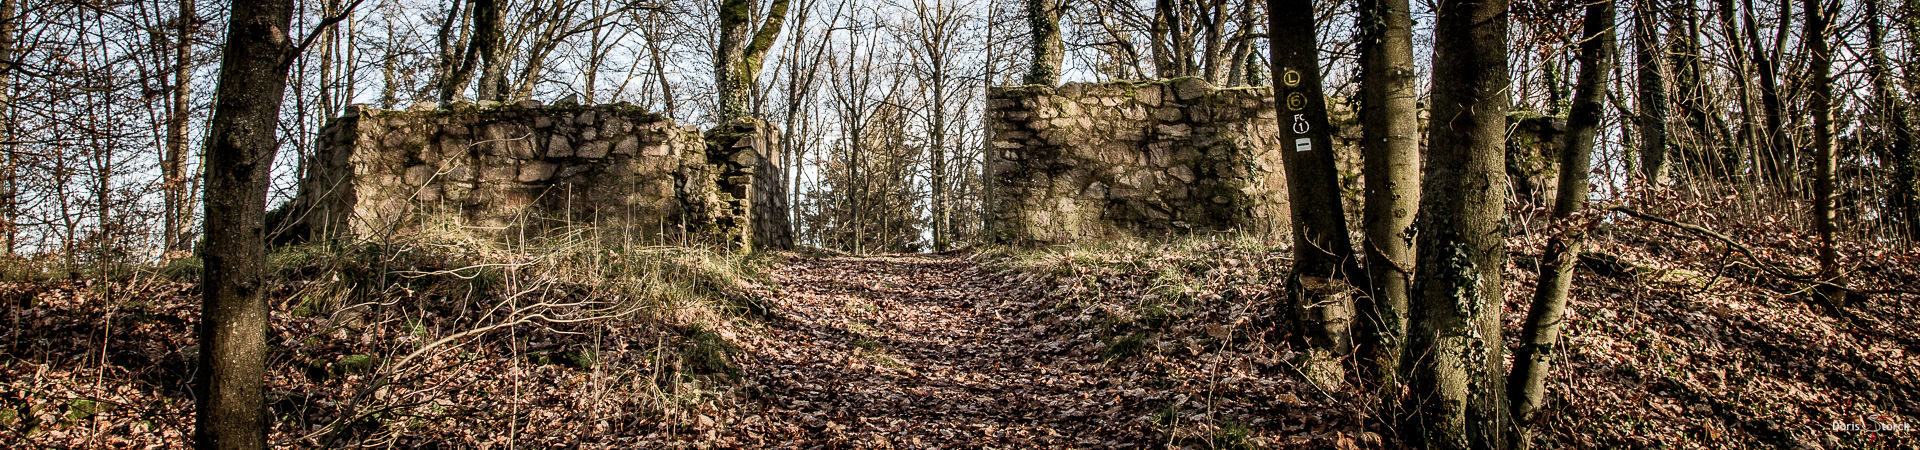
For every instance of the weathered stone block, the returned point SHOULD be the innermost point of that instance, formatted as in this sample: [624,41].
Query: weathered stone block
[1137,163]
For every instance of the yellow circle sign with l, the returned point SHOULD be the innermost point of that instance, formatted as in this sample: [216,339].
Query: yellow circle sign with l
[1290,77]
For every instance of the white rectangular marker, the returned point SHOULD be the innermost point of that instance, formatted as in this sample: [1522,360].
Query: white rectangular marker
[1303,144]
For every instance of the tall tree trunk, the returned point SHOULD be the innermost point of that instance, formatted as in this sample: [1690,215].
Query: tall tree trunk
[1782,172]
[737,63]
[1648,60]
[1747,136]
[240,149]
[1455,366]
[1540,337]
[489,29]
[1160,36]
[177,186]
[1213,16]
[1904,201]
[1820,105]
[1390,145]
[1323,254]
[1698,149]
[1043,17]
[455,67]
[938,134]
[1242,47]
[654,54]
[9,37]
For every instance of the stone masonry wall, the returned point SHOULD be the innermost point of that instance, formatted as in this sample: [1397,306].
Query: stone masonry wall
[522,169]
[1086,161]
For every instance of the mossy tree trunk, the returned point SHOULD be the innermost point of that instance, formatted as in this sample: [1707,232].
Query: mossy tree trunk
[1454,365]
[736,64]
[1390,145]
[240,149]
[489,29]
[1323,254]
[1539,338]
[1043,17]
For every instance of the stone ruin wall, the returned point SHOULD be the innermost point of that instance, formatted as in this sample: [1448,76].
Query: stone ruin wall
[523,169]
[1090,161]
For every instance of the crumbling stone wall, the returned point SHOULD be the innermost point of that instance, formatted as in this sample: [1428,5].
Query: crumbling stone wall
[1087,161]
[522,169]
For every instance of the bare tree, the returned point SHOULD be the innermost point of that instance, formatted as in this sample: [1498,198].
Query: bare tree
[1540,337]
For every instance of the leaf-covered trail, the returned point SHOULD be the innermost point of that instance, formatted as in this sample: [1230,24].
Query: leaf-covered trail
[912,351]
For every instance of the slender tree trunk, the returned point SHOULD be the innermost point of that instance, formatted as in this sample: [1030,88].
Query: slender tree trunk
[1159,34]
[1540,337]
[1455,367]
[1904,201]
[9,36]
[737,63]
[1651,66]
[177,186]
[240,150]
[1390,144]
[1747,137]
[1323,254]
[938,134]
[1242,47]
[1782,172]
[1043,16]
[1820,105]
[654,55]
[455,68]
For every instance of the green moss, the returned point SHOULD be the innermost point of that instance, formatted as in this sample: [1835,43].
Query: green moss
[80,409]
[584,358]
[709,354]
[356,364]
[1232,434]
[1125,347]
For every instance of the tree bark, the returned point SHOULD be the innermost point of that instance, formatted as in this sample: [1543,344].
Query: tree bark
[455,68]
[742,48]
[1654,164]
[1782,171]
[178,187]
[9,36]
[1455,367]
[1323,254]
[1390,145]
[240,150]
[1540,337]
[1043,17]
[1820,105]
[489,29]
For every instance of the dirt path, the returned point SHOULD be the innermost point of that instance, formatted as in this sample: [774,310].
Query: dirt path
[915,352]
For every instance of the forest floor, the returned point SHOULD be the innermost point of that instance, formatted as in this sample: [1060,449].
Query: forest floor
[938,351]
[1671,341]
